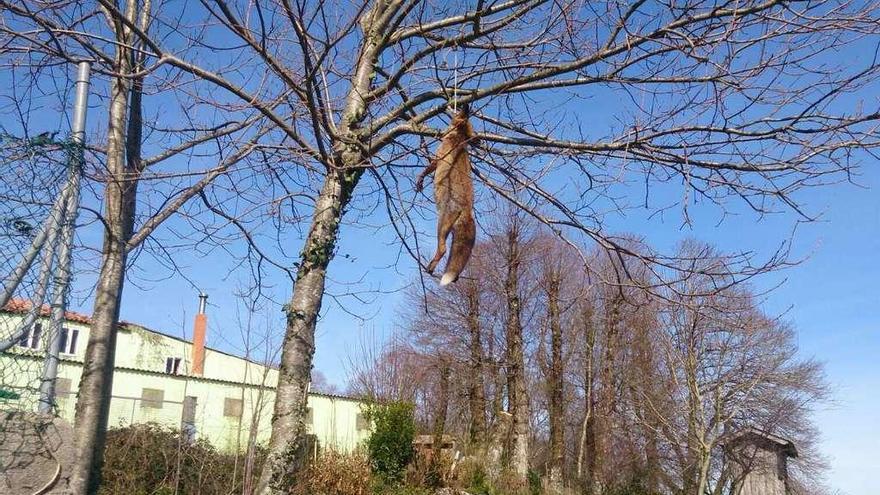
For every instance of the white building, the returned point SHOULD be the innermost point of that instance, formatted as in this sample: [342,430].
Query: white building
[168,380]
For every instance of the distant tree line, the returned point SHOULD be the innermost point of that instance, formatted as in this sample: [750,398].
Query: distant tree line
[598,385]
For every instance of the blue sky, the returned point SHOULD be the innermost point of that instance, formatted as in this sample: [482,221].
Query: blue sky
[835,306]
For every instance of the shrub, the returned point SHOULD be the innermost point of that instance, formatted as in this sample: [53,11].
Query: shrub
[631,487]
[510,483]
[535,485]
[403,490]
[429,471]
[472,477]
[391,444]
[151,459]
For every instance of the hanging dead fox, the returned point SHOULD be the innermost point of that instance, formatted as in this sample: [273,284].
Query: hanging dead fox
[454,196]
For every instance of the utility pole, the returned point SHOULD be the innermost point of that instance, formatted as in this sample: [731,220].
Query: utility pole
[61,279]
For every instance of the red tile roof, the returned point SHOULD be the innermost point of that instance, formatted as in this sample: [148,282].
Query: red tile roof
[17,305]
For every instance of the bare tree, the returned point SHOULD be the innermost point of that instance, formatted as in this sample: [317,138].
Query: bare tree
[663,382]
[728,367]
[123,161]
[118,48]
[586,448]
[722,118]
[441,413]
[477,377]
[321,384]
[517,390]
[386,371]
[562,282]
[261,350]
[447,327]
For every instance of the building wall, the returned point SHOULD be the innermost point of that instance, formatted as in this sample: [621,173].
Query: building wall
[764,477]
[233,394]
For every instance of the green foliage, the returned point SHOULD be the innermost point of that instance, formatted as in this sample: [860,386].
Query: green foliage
[402,490]
[479,483]
[471,477]
[151,459]
[632,487]
[534,479]
[390,445]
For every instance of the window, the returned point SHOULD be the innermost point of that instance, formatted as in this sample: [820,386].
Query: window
[172,365]
[68,340]
[362,423]
[62,388]
[232,407]
[310,416]
[152,398]
[31,337]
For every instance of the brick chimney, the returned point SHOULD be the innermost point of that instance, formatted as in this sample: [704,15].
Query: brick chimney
[198,346]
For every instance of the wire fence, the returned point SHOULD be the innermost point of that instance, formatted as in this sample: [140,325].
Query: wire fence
[33,174]
[40,179]
[222,414]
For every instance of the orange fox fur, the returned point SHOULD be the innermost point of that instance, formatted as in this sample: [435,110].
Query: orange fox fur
[454,196]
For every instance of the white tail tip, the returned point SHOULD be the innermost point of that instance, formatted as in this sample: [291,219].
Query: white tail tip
[447,279]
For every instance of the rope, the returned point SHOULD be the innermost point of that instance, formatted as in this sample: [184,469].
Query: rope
[455,78]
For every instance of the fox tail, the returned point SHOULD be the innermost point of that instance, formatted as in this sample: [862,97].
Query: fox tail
[464,234]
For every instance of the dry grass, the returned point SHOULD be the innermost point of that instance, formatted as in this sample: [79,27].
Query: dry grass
[336,473]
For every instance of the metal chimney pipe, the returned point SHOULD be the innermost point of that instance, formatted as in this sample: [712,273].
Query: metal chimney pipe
[203,302]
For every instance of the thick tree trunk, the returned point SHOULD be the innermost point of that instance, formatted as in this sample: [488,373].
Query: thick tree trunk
[287,441]
[604,415]
[555,388]
[476,392]
[645,393]
[592,480]
[96,384]
[586,431]
[518,400]
[498,365]
[285,450]
[440,419]
[497,443]
[693,476]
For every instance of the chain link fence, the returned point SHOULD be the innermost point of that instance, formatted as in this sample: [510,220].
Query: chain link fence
[33,173]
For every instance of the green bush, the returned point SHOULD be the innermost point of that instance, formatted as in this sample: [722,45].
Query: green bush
[535,485]
[478,482]
[631,487]
[391,444]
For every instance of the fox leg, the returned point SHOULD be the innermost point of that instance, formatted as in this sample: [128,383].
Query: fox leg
[444,227]
[432,166]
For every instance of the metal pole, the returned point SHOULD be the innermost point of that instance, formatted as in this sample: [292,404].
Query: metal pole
[78,128]
[39,295]
[62,274]
[15,277]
